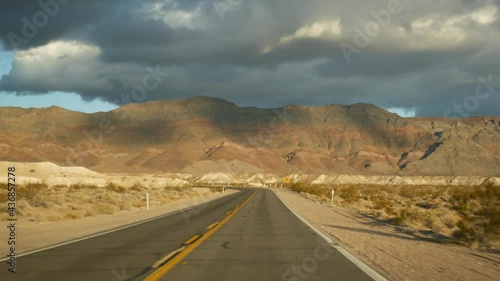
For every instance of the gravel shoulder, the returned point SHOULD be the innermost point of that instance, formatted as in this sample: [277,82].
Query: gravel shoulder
[36,235]
[389,249]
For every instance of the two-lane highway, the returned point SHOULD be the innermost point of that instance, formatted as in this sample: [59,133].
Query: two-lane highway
[264,241]
[127,254]
[250,235]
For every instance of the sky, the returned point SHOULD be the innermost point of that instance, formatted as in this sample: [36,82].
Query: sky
[414,58]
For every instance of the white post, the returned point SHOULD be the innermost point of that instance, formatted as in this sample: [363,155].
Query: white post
[333,194]
[147,200]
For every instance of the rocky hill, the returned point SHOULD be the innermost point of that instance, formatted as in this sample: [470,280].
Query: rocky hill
[201,135]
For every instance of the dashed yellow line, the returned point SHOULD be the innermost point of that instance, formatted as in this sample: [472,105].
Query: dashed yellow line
[212,225]
[191,240]
[160,272]
[167,257]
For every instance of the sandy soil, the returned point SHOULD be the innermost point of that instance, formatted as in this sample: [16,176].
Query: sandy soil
[390,250]
[35,235]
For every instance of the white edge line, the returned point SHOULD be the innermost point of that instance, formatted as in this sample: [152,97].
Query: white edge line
[365,268]
[114,229]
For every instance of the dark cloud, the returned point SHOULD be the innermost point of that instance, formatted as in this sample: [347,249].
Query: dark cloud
[52,20]
[261,52]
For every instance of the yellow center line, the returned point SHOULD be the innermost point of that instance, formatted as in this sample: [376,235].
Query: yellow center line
[160,272]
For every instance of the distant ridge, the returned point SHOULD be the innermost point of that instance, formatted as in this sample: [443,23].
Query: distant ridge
[202,133]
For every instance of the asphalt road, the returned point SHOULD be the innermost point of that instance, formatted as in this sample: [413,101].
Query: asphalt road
[259,240]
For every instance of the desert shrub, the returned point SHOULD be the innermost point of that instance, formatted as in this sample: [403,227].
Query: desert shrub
[176,188]
[45,204]
[115,188]
[433,222]
[89,212]
[55,217]
[30,192]
[468,213]
[491,208]
[417,191]
[3,193]
[23,208]
[479,209]
[350,194]
[58,199]
[449,217]
[126,205]
[367,192]
[380,202]
[73,215]
[111,197]
[407,216]
[137,187]
[75,207]
[428,204]
[316,190]
[3,197]
[106,208]
[466,231]
[79,186]
[166,199]
[139,203]
[215,190]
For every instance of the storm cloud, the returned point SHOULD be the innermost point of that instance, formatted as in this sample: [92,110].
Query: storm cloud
[436,57]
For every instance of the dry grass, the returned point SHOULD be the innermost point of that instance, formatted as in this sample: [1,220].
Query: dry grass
[40,202]
[466,214]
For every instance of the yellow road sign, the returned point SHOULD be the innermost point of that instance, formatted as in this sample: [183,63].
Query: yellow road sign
[287,179]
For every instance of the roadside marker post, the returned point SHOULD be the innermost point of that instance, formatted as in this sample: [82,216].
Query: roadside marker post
[333,195]
[147,200]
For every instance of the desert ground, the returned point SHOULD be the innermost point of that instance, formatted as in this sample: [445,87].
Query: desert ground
[407,228]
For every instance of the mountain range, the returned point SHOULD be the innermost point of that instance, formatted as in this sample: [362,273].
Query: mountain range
[200,135]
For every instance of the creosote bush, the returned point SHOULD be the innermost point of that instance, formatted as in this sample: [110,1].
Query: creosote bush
[469,214]
[115,188]
[30,192]
[40,202]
